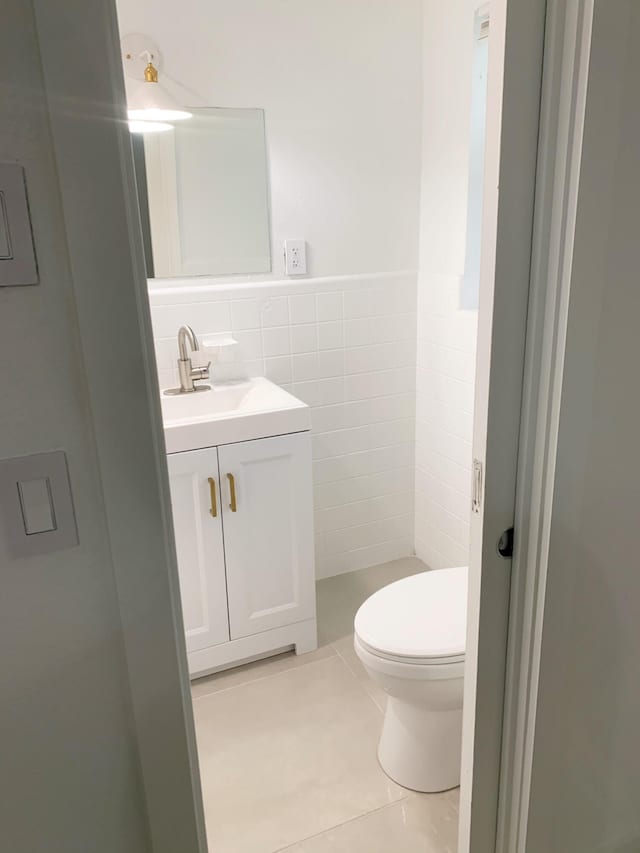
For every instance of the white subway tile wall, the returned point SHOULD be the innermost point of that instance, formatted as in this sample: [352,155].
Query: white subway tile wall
[347,347]
[444,422]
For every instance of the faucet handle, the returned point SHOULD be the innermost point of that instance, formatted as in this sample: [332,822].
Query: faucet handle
[202,372]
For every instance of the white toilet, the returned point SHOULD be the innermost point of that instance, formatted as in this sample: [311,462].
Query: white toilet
[411,636]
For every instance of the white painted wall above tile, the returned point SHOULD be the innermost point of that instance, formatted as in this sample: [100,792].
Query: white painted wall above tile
[340,84]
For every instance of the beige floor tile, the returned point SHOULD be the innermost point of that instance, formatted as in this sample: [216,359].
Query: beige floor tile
[338,601]
[287,757]
[344,647]
[340,597]
[428,824]
[256,670]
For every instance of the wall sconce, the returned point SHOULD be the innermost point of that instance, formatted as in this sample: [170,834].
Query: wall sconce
[149,103]
[136,126]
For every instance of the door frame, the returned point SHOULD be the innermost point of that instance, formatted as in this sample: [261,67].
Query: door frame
[566,69]
[567,43]
[511,158]
[80,54]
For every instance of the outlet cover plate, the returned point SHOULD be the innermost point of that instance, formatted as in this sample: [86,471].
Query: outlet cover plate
[295,257]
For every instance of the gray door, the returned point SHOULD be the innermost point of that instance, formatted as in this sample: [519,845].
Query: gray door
[585,783]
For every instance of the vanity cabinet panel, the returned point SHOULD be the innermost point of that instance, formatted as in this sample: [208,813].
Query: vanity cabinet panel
[269,537]
[194,480]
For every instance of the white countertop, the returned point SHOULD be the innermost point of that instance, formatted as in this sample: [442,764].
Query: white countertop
[231,412]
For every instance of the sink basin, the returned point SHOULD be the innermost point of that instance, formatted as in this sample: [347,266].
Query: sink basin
[230,412]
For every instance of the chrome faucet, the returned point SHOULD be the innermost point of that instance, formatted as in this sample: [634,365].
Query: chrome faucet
[188,373]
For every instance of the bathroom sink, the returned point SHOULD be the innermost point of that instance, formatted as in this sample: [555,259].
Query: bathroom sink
[230,412]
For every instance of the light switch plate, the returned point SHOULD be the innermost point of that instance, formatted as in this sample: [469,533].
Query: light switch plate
[36,506]
[17,253]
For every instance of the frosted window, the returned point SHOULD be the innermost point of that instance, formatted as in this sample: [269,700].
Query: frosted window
[469,292]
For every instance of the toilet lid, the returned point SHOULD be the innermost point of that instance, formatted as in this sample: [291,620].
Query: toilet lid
[422,616]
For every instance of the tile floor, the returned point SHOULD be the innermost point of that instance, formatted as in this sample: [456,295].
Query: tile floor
[287,748]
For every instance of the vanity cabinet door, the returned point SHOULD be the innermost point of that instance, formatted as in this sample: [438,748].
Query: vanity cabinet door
[268,531]
[195,499]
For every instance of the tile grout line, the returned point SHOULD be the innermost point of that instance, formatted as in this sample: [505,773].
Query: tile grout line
[403,799]
[377,497]
[351,551]
[366,426]
[372,473]
[366,524]
[435,503]
[269,675]
[353,673]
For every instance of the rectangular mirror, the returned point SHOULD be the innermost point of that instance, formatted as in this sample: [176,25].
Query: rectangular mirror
[203,195]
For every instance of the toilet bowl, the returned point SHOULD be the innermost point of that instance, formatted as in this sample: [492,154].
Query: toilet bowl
[410,637]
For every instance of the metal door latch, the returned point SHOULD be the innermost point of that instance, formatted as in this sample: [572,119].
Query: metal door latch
[476,498]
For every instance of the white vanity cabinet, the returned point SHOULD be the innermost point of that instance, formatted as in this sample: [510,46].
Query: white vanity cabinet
[197,524]
[243,521]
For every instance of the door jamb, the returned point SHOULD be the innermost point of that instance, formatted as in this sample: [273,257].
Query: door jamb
[513,116]
[567,52]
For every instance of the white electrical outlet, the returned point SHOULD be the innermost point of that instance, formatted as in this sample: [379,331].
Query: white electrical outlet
[295,257]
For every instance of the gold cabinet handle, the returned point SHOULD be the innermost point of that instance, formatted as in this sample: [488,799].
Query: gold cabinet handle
[232,492]
[214,503]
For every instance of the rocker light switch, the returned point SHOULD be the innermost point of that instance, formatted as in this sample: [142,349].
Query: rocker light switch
[36,507]
[5,243]
[17,254]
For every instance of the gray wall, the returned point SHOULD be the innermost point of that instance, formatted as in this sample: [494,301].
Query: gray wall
[585,792]
[69,769]
[71,724]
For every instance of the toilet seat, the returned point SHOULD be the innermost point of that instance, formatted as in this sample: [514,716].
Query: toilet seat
[409,661]
[419,620]
[409,669]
